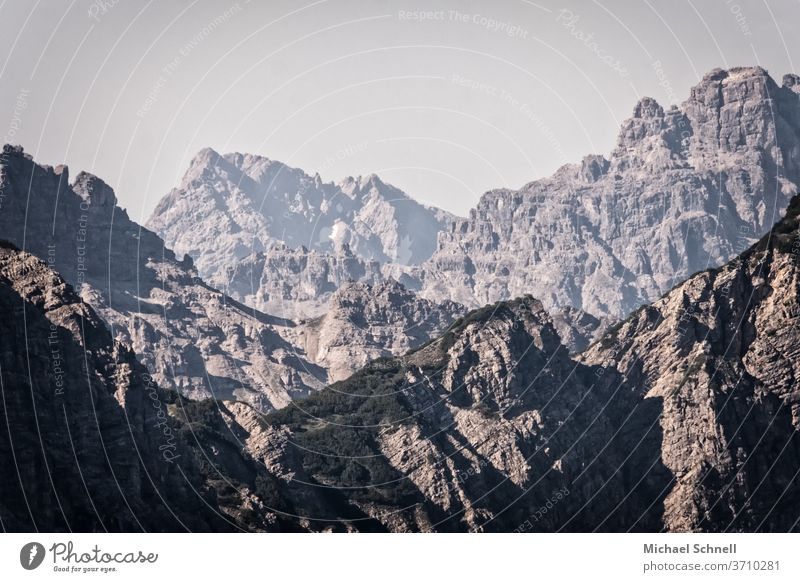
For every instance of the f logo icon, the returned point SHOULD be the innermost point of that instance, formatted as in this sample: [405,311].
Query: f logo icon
[31,555]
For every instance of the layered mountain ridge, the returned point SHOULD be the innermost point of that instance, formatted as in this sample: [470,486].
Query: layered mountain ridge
[92,443]
[191,337]
[527,414]
[682,418]
[684,189]
[230,206]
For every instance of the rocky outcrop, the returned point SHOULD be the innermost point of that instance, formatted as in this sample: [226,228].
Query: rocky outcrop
[296,284]
[190,336]
[91,443]
[364,322]
[685,417]
[228,207]
[685,189]
[721,353]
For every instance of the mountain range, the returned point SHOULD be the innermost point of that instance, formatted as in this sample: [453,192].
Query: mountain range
[682,418]
[613,348]
[684,189]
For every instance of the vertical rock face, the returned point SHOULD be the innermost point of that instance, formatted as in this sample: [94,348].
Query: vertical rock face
[191,337]
[228,207]
[685,189]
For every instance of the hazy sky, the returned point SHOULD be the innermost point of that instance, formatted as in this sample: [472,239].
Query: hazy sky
[445,105]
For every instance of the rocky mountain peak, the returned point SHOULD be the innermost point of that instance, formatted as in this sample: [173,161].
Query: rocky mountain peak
[94,191]
[791,81]
[647,107]
[684,188]
[361,186]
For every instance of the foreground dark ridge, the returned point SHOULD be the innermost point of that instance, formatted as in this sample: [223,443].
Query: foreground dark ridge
[684,418]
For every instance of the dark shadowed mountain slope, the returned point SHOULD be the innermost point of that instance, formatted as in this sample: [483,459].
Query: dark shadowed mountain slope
[722,352]
[478,430]
[91,443]
[683,418]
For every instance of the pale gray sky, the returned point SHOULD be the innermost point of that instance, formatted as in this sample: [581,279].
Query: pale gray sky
[475,95]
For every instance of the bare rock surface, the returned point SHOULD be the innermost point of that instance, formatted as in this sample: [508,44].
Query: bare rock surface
[191,337]
[228,207]
[93,444]
[682,418]
[364,322]
[685,189]
[721,353]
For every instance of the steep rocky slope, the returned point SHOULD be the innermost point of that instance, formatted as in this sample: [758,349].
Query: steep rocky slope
[479,430]
[683,418]
[230,206]
[365,322]
[685,189]
[191,337]
[91,443]
[722,353]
